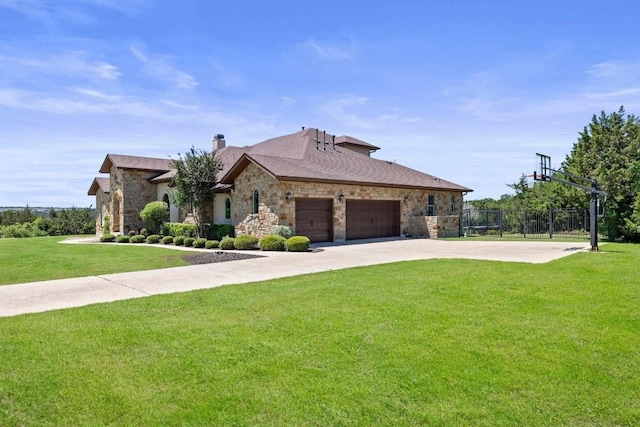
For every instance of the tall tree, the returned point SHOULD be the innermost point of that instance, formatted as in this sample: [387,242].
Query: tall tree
[195,182]
[608,150]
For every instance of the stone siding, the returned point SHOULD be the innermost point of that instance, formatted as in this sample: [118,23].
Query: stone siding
[103,208]
[275,209]
[131,191]
[434,226]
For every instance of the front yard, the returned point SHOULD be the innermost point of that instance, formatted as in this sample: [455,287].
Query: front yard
[438,342]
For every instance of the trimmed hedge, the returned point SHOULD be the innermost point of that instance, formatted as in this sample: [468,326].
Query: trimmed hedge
[227,243]
[167,240]
[219,231]
[272,242]
[212,244]
[138,238]
[188,241]
[297,244]
[179,229]
[199,243]
[245,242]
[178,240]
[123,239]
[107,238]
[153,239]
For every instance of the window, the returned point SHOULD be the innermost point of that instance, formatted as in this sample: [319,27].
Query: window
[432,206]
[165,199]
[227,208]
[453,203]
[256,201]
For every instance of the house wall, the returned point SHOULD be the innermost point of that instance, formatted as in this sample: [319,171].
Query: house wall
[131,191]
[275,209]
[103,208]
[174,212]
[219,209]
[271,203]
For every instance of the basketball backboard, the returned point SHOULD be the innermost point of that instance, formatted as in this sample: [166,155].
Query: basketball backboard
[543,172]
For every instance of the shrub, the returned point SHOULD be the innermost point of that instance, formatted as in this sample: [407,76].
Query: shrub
[218,231]
[132,233]
[283,230]
[272,242]
[212,244]
[143,232]
[154,215]
[245,242]
[179,229]
[167,240]
[188,241]
[107,238]
[227,243]
[199,243]
[123,239]
[106,229]
[179,240]
[138,238]
[297,244]
[153,239]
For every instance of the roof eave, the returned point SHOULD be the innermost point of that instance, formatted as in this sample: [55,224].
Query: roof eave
[372,184]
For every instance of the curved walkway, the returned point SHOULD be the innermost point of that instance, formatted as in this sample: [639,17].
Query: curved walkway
[58,294]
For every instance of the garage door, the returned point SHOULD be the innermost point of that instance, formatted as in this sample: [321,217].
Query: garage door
[314,219]
[368,219]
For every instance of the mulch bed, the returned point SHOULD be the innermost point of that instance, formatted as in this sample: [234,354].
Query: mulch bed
[217,256]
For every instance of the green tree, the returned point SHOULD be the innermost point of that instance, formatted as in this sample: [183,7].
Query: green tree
[608,150]
[195,182]
[154,215]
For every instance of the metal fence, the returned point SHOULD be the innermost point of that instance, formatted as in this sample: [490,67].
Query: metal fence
[525,223]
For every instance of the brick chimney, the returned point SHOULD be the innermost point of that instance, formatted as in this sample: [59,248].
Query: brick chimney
[218,142]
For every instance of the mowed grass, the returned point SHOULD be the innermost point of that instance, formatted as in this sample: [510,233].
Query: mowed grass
[437,342]
[45,258]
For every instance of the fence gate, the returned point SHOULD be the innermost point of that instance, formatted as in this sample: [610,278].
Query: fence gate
[572,223]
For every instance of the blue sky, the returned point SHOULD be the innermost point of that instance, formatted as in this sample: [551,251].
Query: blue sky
[465,90]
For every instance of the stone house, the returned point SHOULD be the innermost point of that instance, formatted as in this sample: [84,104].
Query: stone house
[324,187]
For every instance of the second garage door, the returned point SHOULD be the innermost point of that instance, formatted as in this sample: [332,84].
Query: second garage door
[314,219]
[368,219]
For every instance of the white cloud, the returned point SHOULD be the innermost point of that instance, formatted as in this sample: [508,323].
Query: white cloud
[329,51]
[49,12]
[159,66]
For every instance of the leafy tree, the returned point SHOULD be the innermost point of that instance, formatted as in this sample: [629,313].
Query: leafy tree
[608,150]
[195,182]
[154,215]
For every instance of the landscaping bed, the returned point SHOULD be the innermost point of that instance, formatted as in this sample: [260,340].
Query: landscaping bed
[217,256]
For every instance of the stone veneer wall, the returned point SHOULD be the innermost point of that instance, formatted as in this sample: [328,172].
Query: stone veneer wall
[131,192]
[102,200]
[275,209]
[435,226]
[270,202]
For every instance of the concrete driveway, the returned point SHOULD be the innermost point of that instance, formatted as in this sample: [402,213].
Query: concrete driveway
[59,294]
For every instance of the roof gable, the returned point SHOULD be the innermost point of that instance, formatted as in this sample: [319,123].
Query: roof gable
[99,183]
[136,163]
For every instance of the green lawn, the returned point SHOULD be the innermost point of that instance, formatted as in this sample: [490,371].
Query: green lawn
[437,342]
[44,258]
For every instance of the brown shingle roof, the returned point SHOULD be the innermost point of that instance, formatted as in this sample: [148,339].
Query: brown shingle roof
[135,162]
[99,183]
[349,140]
[297,157]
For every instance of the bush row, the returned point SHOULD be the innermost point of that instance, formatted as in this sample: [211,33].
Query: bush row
[212,231]
[272,242]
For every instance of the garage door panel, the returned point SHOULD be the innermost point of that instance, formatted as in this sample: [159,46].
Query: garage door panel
[372,218]
[314,219]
